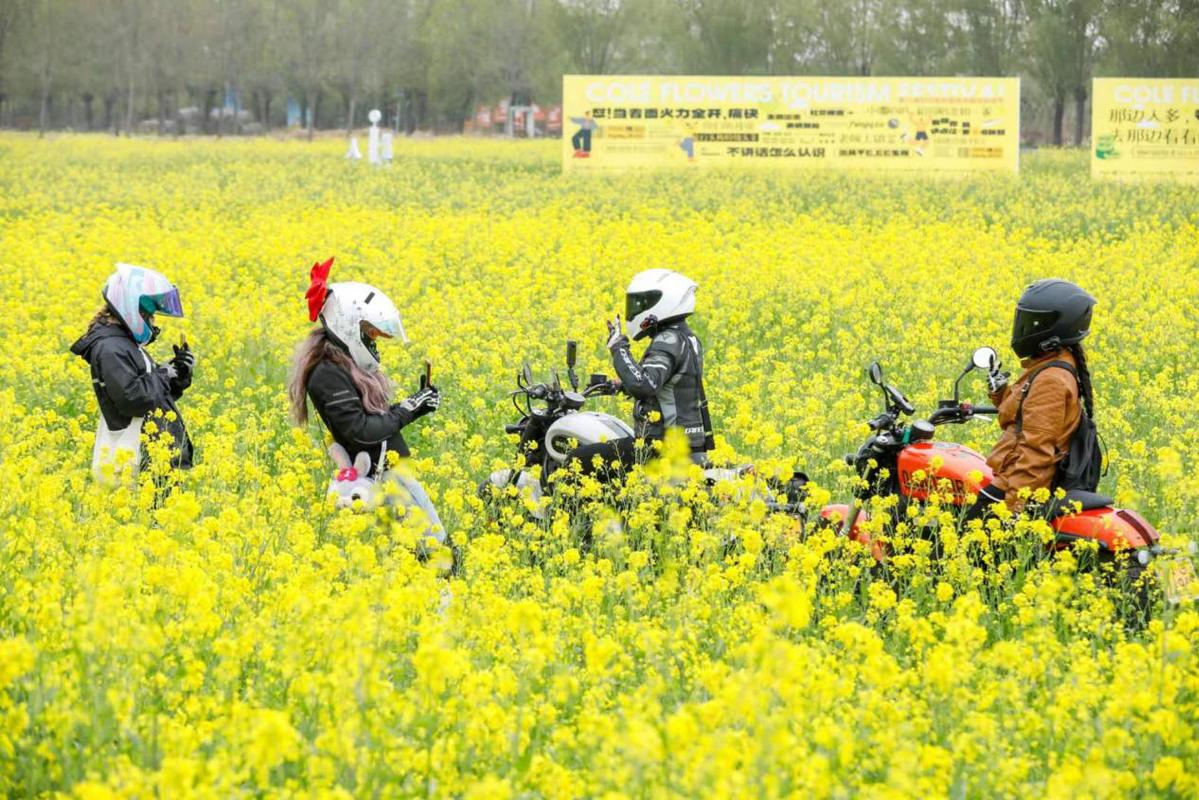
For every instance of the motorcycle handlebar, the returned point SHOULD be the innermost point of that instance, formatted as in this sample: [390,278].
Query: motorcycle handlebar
[513,428]
[882,421]
[960,413]
[943,415]
[606,388]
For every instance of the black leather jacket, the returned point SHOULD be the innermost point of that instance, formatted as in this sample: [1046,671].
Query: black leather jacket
[668,380]
[339,405]
[127,384]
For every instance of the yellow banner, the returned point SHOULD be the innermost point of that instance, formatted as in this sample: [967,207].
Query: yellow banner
[1145,128]
[944,125]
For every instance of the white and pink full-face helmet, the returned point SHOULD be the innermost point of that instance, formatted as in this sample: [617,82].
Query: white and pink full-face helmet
[135,294]
[354,315]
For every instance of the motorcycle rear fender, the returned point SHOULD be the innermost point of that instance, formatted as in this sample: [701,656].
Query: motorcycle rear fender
[1114,529]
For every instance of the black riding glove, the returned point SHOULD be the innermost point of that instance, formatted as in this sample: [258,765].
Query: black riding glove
[184,363]
[426,401]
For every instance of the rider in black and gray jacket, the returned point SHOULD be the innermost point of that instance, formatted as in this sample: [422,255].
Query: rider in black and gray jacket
[667,384]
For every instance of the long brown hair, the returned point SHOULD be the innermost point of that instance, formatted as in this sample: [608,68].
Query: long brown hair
[373,387]
[104,317]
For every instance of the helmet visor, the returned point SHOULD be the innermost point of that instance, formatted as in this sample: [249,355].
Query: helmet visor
[369,331]
[640,302]
[370,334]
[167,304]
[1029,322]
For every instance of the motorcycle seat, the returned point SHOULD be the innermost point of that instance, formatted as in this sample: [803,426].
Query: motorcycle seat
[1088,501]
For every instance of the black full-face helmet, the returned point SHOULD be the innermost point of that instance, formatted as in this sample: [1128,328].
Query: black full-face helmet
[1050,315]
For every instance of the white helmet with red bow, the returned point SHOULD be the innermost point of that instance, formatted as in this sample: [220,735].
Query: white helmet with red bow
[354,315]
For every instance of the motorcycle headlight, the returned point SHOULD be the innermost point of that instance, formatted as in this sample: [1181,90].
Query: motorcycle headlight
[1143,557]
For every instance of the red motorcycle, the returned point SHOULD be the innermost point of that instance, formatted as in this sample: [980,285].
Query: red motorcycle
[903,459]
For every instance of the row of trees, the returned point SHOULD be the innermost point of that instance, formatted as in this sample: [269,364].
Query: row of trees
[114,64]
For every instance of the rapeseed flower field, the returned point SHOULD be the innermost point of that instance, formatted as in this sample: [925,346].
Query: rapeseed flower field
[242,638]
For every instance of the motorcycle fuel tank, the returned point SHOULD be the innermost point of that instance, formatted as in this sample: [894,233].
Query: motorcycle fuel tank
[922,466]
[583,428]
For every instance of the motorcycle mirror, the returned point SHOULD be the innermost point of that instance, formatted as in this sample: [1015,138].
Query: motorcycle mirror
[557,380]
[526,373]
[876,373]
[572,355]
[984,358]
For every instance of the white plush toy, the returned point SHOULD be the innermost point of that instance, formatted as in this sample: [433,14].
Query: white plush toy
[351,482]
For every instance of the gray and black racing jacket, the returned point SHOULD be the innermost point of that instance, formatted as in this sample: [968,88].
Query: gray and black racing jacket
[669,380]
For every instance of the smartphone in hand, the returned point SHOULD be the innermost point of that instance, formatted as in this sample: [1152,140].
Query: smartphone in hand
[426,378]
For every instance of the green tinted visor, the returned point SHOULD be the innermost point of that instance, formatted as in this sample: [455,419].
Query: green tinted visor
[167,304]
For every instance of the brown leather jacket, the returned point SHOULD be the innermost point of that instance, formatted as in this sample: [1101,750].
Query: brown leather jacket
[1051,413]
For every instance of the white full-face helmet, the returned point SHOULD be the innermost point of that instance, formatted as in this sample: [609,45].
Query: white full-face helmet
[354,315]
[656,296]
[136,294]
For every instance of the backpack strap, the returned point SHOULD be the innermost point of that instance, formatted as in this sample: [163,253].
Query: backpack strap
[1066,365]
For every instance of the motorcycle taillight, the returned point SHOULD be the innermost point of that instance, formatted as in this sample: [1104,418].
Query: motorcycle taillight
[1134,519]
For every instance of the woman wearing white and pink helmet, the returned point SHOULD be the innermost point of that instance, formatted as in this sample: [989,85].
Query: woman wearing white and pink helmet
[129,386]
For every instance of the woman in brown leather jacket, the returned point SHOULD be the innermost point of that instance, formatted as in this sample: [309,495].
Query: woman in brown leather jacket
[1041,409]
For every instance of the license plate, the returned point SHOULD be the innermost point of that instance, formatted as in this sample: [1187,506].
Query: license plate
[1179,581]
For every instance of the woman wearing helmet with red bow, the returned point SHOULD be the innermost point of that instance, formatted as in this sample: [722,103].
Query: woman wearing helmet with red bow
[337,368]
